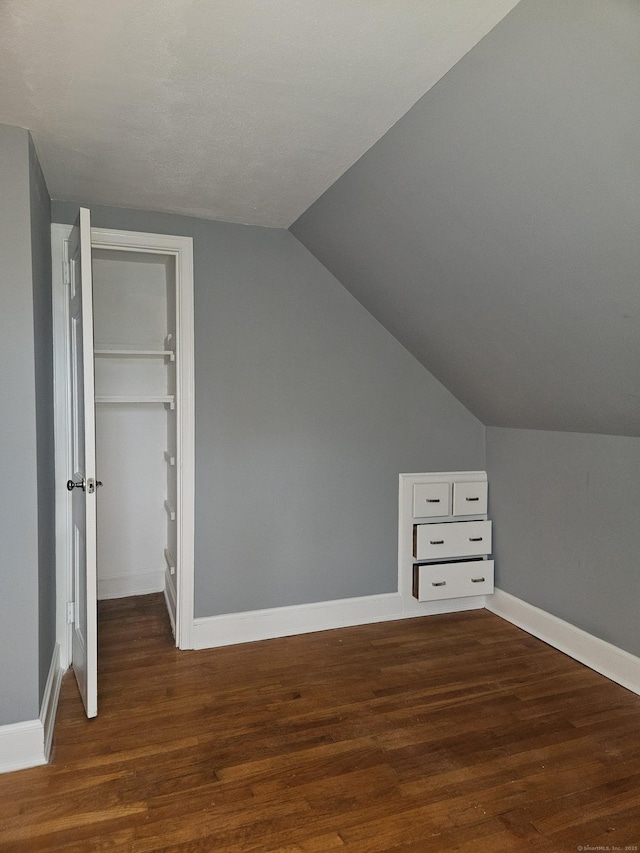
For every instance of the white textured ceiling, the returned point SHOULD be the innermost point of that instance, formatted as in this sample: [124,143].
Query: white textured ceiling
[240,110]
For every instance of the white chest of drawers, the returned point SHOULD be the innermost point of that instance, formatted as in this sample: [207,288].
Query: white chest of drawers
[451,536]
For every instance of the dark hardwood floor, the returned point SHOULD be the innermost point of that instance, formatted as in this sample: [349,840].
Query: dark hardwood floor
[453,732]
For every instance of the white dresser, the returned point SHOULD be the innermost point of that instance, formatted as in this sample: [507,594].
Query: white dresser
[451,536]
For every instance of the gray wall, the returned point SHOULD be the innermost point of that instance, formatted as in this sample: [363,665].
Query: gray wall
[306,412]
[494,229]
[40,205]
[19,663]
[565,511]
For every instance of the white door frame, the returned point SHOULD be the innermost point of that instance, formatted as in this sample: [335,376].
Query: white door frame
[181,249]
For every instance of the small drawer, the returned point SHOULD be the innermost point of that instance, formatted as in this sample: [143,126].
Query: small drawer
[451,539]
[470,498]
[452,580]
[431,499]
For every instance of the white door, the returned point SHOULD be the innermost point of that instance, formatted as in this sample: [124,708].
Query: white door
[82,484]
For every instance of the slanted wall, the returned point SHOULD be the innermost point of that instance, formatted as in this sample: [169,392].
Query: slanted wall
[494,229]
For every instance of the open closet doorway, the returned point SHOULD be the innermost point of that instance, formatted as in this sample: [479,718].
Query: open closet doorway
[141,287]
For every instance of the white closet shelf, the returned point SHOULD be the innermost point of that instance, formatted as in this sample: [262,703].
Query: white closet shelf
[137,398]
[119,352]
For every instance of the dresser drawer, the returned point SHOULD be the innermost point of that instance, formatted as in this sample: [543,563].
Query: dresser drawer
[453,580]
[431,500]
[470,498]
[451,539]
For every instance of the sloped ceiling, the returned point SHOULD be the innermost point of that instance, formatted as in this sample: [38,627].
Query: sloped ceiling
[240,110]
[495,230]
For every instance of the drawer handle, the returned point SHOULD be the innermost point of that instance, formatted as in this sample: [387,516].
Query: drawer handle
[477,580]
[475,539]
[432,500]
[438,583]
[472,499]
[436,542]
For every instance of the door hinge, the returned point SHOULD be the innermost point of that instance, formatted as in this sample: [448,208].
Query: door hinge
[66,266]
[70,612]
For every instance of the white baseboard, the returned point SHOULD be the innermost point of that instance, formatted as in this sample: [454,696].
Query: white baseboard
[28,744]
[50,700]
[21,745]
[126,585]
[232,628]
[614,663]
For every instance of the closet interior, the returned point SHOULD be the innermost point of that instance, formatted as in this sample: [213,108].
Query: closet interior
[134,296]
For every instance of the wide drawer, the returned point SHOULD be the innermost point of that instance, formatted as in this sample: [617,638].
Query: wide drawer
[431,499]
[453,580]
[470,498]
[451,539]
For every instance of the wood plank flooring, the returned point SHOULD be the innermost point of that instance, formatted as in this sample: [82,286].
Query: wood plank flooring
[453,732]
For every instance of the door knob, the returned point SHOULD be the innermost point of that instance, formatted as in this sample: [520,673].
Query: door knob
[79,485]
